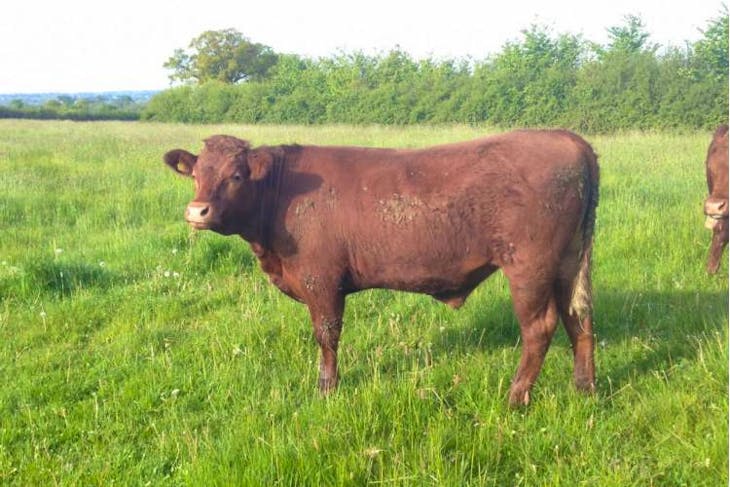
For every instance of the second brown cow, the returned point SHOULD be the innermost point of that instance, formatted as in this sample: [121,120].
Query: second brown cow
[716,204]
[326,222]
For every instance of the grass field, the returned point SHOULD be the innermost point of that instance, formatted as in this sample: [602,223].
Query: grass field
[134,351]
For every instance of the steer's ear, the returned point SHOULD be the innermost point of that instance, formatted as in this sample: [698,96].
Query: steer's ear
[181,161]
[259,163]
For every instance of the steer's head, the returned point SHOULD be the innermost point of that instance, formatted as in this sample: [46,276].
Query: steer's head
[225,174]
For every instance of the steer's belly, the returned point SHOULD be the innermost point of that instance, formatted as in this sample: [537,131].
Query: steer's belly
[446,271]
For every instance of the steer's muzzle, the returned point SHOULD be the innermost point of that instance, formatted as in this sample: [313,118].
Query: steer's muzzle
[715,209]
[199,215]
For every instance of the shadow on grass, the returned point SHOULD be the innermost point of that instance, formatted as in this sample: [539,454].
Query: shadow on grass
[62,279]
[637,333]
[484,323]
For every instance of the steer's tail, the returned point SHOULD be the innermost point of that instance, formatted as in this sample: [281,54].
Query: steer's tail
[581,302]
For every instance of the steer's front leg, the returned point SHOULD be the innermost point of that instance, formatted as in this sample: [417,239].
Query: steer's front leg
[326,312]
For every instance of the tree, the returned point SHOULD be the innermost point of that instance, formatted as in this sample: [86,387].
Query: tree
[221,55]
[711,52]
[631,37]
[528,82]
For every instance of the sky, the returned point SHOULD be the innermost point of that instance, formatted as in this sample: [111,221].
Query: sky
[83,46]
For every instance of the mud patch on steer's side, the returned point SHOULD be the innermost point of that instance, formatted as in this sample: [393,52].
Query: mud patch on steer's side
[400,209]
[303,207]
[563,180]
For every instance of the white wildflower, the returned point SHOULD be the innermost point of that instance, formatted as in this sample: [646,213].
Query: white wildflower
[372,452]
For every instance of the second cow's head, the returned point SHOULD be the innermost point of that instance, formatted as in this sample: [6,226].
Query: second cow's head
[226,173]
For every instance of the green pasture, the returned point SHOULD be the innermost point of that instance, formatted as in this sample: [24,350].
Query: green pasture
[134,351]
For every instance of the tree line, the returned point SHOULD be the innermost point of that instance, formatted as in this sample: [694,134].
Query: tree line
[541,79]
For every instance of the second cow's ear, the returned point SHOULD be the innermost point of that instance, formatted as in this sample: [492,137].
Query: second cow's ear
[259,163]
[720,132]
[181,161]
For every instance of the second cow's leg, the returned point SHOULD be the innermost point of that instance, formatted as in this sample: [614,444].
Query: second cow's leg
[719,241]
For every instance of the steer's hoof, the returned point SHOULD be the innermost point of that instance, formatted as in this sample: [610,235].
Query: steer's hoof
[519,397]
[327,385]
[713,267]
[585,385]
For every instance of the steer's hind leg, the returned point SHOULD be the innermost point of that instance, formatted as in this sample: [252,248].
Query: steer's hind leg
[579,326]
[536,309]
[326,312]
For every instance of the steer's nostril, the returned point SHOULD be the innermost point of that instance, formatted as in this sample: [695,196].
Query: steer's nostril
[204,211]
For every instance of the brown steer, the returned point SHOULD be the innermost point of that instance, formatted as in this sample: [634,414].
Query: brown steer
[329,221]
[716,204]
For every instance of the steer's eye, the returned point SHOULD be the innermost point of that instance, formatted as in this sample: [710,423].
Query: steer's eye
[237,176]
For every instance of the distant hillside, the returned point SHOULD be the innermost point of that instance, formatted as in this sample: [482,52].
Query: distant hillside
[108,105]
[35,99]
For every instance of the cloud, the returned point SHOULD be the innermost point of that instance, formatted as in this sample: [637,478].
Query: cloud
[74,46]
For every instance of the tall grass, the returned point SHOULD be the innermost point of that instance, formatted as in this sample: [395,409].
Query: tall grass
[135,351]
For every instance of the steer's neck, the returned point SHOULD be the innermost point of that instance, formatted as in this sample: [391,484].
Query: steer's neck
[260,229]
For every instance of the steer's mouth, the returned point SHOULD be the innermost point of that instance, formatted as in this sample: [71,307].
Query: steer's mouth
[716,209]
[711,221]
[198,225]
